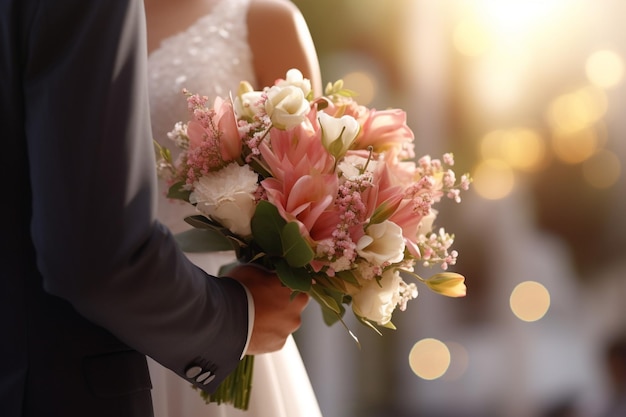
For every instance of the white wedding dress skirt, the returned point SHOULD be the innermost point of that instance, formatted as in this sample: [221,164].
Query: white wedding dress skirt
[280,388]
[280,384]
[210,58]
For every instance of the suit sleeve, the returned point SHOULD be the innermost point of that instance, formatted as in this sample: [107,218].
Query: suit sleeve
[93,188]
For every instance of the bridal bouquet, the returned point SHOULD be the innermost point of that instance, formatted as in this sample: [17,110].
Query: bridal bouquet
[322,190]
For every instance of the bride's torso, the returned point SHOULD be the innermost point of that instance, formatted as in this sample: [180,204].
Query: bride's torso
[209,57]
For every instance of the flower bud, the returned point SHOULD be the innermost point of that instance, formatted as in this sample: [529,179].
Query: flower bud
[450,284]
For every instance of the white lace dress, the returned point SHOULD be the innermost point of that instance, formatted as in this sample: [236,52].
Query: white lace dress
[210,58]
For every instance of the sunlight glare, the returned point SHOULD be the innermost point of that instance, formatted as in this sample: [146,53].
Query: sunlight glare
[517,17]
[471,38]
[605,68]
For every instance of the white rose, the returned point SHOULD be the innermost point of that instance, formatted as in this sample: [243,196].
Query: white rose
[227,196]
[338,133]
[375,300]
[286,106]
[294,78]
[383,242]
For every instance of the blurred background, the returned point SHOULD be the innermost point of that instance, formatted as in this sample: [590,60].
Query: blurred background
[530,96]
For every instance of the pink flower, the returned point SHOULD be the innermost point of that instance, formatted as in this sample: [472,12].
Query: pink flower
[385,130]
[303,184]
[218,127]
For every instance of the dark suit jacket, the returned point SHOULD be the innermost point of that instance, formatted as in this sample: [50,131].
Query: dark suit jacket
[88,279]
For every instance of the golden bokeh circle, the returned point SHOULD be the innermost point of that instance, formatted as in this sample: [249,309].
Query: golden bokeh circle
[429,358]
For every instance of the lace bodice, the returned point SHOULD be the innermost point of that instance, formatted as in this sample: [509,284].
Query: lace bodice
[209,58]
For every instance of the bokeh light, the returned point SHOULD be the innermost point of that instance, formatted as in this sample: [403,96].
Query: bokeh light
[493,179]
[577,110]
[363,83]
[459,362]
[575,147]
[429,358]
[530,301]
[602,169]
[605,68]
[521,148]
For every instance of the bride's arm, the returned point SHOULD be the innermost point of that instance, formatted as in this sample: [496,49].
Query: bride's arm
[280,40]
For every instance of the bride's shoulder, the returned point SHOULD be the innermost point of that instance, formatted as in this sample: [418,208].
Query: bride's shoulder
[281,15]
[273,23]
[275,9]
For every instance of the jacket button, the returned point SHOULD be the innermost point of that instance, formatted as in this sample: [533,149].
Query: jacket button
[203,376]
[193,371]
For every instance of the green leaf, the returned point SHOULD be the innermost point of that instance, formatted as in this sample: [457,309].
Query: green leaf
[348,276]
[369,324]
[267,225]
[203,240]
[296,249]
[178,192]
[329,316]
[327,301]
[202,222]
[298,279]
[163,151]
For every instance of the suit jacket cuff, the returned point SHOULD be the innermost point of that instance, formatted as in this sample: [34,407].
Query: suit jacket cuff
[250,320]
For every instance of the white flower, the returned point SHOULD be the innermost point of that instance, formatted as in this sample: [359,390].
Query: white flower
[179,135]
[338,133]
[294,78]
[383,242]
[426,224]
[248,102]
[376,300]
[353,166]
[227,196]
[286,106]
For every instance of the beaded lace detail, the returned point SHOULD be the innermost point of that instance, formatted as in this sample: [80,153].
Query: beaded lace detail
[209,58]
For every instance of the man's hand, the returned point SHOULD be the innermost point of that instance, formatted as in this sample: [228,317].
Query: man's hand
[276,315]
